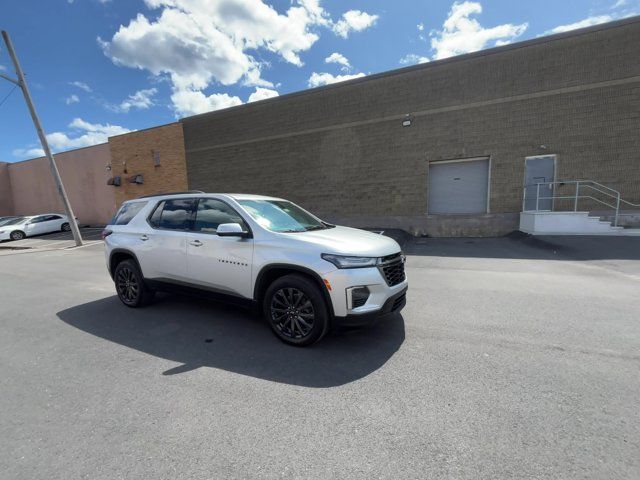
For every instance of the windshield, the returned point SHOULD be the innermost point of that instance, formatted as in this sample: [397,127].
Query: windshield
[14,221]
[282,216]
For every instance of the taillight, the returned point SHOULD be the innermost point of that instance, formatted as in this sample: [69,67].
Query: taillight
[105,233]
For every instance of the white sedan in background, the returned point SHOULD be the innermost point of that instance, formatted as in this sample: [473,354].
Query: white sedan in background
[22,227]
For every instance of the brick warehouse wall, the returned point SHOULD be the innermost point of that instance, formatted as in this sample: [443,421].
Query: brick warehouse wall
[135,154]
[342,152]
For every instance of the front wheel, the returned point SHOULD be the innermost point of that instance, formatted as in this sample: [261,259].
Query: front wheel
[296,310]
[17,235]
[130,285]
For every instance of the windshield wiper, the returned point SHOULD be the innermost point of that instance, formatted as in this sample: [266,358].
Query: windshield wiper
[316,227]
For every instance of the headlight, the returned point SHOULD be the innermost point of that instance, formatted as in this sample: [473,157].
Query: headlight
[342,261]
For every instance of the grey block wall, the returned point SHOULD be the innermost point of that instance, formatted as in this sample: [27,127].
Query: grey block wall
[342,152]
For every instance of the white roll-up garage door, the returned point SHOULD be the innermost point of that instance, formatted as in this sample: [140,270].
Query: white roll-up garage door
[458,186]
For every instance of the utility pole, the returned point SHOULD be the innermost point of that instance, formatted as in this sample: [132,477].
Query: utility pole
[21,82]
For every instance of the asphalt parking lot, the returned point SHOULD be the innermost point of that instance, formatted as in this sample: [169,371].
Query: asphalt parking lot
[514,358]
[51,241]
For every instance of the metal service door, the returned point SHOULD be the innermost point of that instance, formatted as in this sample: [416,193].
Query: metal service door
[539,170]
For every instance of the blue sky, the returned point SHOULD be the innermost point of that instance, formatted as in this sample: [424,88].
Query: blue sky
[102,67]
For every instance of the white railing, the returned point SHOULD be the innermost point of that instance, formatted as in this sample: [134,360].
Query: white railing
[614,196]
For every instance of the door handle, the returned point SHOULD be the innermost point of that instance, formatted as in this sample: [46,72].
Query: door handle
[144,238]
[196,243]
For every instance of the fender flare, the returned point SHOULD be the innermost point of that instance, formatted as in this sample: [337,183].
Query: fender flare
[258,287]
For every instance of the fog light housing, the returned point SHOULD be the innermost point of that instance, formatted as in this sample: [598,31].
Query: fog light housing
[357,297]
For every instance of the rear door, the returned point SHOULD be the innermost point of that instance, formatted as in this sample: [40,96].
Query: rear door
[219,263]
[162,250]
[52,223]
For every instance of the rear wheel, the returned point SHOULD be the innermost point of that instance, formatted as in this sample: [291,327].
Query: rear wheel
[65,227]
[296,310]
[17,235]
[130,285]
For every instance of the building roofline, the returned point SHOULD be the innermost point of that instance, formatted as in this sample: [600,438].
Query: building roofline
[143,130]
[433,64]
[57,153]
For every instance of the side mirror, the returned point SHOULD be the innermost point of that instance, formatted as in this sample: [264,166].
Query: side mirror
[231,230]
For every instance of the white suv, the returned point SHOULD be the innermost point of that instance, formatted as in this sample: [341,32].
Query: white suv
[302,273]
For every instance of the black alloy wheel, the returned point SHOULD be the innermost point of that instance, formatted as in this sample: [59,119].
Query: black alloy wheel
[292,313]
[130,285]
[296,310]
[127,285]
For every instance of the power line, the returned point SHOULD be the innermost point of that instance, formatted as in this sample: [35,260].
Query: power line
[8,95]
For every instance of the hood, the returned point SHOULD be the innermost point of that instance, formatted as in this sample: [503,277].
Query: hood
[349,241]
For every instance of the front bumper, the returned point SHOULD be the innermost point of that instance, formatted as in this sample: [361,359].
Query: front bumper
[5,236]
[394,304]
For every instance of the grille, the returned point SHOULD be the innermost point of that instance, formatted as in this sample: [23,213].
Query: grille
[358,302]
[393,271]
[398,301]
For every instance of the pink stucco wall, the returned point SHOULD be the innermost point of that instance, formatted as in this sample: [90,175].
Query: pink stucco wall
[84,176]
[6,198]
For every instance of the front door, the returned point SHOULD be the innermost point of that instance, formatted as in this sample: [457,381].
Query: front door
[539,170]
[222,264]
[36,226]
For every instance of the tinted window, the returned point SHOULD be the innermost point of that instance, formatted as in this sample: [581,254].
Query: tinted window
[38,219]
[55,217]
[211,213]
[127,212]
[176,214]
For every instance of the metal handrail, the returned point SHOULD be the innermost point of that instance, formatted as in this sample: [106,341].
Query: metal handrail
[576,196]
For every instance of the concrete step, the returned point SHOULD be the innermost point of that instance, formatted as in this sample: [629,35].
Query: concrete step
[569,223]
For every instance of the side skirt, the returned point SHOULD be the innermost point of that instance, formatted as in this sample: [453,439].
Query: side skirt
[187,289]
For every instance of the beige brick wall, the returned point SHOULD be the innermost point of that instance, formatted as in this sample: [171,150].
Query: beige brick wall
[133,154]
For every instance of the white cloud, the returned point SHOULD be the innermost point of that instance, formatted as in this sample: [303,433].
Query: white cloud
[620,4]
[81,86]
[82,134]
[33,152]
[462,34]
[340,60]
[354,21]
[420,27]
[142,100]
[320,79]
[192,102]
[72,99]
[587,22]
[197,43]
[262,94]
[412,59]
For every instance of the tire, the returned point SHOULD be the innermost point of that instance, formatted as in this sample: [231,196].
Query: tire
[130,285]
[17,235]
[65,227]
[296,310]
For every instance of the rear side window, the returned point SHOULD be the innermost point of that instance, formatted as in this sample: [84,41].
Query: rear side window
[127,212]
[173,214]
[211,213]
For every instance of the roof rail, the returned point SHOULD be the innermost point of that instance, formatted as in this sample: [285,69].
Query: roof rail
[171,193]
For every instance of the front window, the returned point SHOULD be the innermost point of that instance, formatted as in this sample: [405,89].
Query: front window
[282,216]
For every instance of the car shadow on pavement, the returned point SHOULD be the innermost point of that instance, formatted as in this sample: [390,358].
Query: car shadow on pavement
[200,333]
